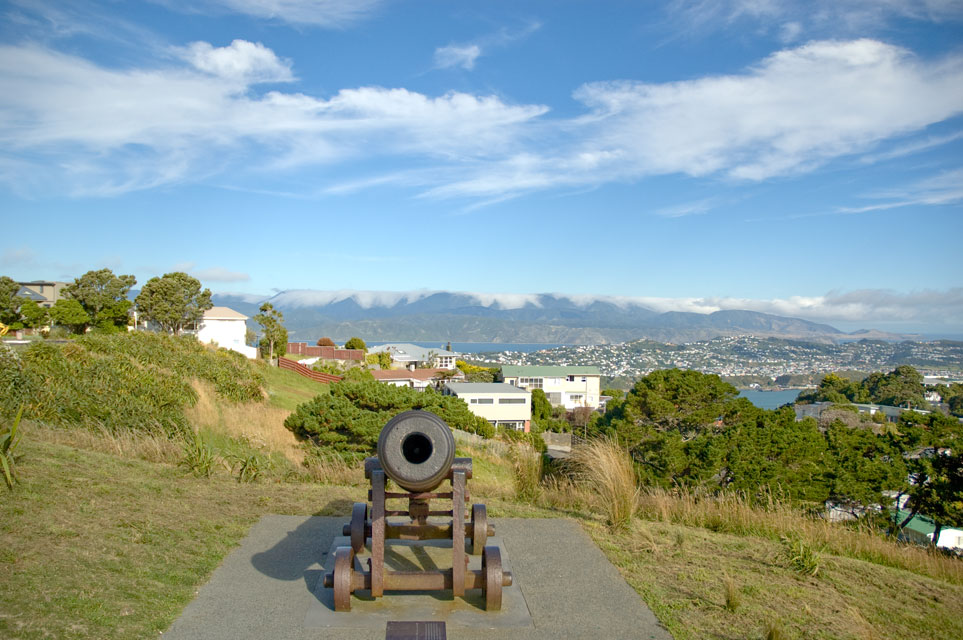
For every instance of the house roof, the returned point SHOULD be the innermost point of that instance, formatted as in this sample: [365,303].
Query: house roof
[533,371]
[485,387]
[407,352]
[417,374]
[223,313]
[30,294]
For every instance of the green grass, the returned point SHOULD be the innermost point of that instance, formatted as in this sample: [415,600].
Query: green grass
[96,546]
[286,389]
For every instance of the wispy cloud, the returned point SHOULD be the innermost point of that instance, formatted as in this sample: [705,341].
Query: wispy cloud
[220,274]
[321,13]
[464,55]
[17,257]
[457,56]
[790,19]
[687,209]
[909,148]
[943,189]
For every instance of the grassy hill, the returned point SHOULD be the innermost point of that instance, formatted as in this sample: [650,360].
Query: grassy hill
[109,533]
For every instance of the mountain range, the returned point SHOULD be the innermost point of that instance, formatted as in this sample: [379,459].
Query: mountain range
[540,318]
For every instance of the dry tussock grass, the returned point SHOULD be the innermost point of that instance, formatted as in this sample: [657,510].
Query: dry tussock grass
[332,469]
[737,513]
[603,467]
[151,448]
[258,423]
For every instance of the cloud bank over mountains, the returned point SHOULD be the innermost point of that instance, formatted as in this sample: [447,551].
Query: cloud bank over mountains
[869,308]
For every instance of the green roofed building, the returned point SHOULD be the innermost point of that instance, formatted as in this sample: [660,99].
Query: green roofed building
[921,529]
[569,387]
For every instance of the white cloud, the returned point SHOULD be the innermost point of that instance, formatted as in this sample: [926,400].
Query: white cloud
[71,125]
[243,61]
[457,56]
[795,110]
[220,274]
[100,131]
[323,13]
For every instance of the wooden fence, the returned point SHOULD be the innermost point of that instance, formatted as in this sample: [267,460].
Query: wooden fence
[307,372]
[325,353]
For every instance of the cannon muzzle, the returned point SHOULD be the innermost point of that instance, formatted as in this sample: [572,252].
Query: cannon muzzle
[416,450]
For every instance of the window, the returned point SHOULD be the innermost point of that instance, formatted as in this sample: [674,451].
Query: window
[511,401]
[572,379]
[534,383]
[482,401]
[575,397]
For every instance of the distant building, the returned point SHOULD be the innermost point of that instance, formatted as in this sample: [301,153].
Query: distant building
[569,387]
[417,378]
[815,410]
[921,530]
[226,328]
[503,405]
[410,356]
[43,292]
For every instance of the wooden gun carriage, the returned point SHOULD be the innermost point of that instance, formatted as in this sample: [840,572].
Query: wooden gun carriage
[416,450]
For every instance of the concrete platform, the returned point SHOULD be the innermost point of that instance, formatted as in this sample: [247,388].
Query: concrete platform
[270,588]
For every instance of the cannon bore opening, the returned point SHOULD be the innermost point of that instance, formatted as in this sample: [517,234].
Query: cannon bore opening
[416,448]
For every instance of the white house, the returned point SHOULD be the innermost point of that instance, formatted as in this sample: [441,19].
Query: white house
[501,404]
[569,387]
[408,356]
[226,328]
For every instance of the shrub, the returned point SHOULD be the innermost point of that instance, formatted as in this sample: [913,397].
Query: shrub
[199,457]
[800,555]
[249,468]
[351,416]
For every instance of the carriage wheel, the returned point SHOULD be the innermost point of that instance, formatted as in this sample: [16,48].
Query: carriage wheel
[343,568]
[479,528]
[492,570]
[359,520]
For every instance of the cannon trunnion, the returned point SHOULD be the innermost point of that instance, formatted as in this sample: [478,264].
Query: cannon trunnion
[416,450]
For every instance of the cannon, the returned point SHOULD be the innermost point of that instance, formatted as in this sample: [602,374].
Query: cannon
[416,451]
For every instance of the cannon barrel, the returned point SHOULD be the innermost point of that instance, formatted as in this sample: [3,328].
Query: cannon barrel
[416,450]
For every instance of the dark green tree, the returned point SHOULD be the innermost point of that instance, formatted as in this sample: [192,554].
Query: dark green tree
[174,301]
[356,343]
[103,296]
[70,314]
[862,466]
[274,336]
[34,316]
[9,302]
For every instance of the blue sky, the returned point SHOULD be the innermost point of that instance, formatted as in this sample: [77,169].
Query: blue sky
[797,158]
